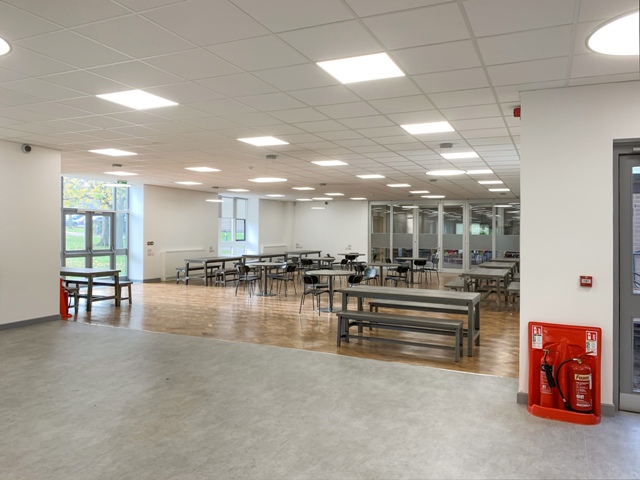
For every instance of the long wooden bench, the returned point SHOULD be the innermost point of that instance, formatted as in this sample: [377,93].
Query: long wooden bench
[421,306]
[513,291]
[104,282]
[407,323]
[455,284]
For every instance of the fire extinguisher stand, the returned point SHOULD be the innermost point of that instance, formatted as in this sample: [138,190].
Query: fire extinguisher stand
[564,372]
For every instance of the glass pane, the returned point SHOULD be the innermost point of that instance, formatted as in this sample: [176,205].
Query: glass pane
[80,262]
[380,233]
[226,251]
[101,261]
[122,230]
[122,198]
[480,224]
[87,194]
[240,229]
[452,236]
[508,231]
[241,208]
[226,207]
[74,233]
[428,231]
[402,231]
[225,230]
[121,264]
[101,233]
[636,229]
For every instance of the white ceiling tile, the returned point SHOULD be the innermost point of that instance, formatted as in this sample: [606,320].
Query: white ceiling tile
[489,141]
[92,105]
[478,123]
[298,77]
[336,40]
[23,115]
[437,58]
[454,80]
[299,115]
[207,22]
[17,23]
[325,95]
[365,122]
[373,7]
[326,126]
[193,64]
[301,138]
[271,101]
[511,93]
[85,82]
[100,121]
[416,117]
[533,71]
[258,53]
[71,48]
[387,88]
[178,113]
[402,104]
[381,131]
[43,90]
[32,64]
[70,13]
[10,98]
[136,74]
[623,77]
[241,85]
[423,26]
[347,110]
[489,132]
[478,96]
[602,11]
[479,111]
[530,45]
[139,5]
[282,15]
[488,17]
[340,135]
[212,123]
[223,107]
[253,119]
[596,64]
[56,110]
[184,92]
[135,36]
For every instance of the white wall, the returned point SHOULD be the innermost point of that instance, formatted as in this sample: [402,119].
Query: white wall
[276,224]
[174,219]
[567,209]
[29,233]
[334,229]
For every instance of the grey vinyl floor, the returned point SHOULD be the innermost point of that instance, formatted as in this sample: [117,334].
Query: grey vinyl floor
[87,402]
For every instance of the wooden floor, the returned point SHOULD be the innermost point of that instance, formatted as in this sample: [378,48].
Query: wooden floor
[214,312]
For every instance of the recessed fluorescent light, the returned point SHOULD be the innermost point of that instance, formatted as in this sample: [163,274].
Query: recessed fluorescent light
[202,169]
[409,207]
[116,185]
[4,47]
[267,180]
[490,182]
[214,200]
[303,188]
[503,206]
[446,173]
[432,196]
[137,99]
[478,172]
[618,37]
[237,190]
[398,185]
[275,195]
[499,190]
[188,183]
[329,163]
[433,127]
[419,191]
[513,211]
[358,198]
[362,69]
[334,194]
[304,200]
[459,155]
[113,152]
[120,173]
[263,141]
[317,208]
[370,176]
[322,198]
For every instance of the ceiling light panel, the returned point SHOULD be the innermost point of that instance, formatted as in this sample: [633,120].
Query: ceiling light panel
[137,99]
[362,69]
[263,141]
[618,37]
[459,155]
[433,127]
[329,163]
[113,152]
[121,173]
[202,169]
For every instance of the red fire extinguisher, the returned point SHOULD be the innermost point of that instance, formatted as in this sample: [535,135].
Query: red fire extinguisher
[580,386]
[547,382]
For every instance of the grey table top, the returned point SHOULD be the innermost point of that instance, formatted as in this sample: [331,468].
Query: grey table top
[330,273]
[414,294]
[486,272]
[88,272]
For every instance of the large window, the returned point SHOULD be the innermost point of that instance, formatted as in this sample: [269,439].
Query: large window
[95,220]
[233,226]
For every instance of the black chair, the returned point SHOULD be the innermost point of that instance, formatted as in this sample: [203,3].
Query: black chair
[370,274]
[354,280]
[313,287]
[400,275]
[245,276]
[287,275]
[419,266]
[433,268]
[344,264]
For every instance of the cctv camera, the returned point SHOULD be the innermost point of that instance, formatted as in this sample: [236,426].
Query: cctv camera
[26,148]
[326,203]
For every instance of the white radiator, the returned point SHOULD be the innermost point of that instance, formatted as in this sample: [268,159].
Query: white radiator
[274,248]
[170,259]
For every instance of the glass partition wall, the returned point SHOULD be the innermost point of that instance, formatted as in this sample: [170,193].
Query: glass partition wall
[459,234]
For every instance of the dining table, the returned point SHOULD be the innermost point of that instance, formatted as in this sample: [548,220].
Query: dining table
[512,266]
[330,274]
[381,266]
[207,263]
[351,257]
[91,274]
[264,270]
[499,277]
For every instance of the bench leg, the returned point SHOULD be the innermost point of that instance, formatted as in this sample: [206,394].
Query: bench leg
[459,345]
